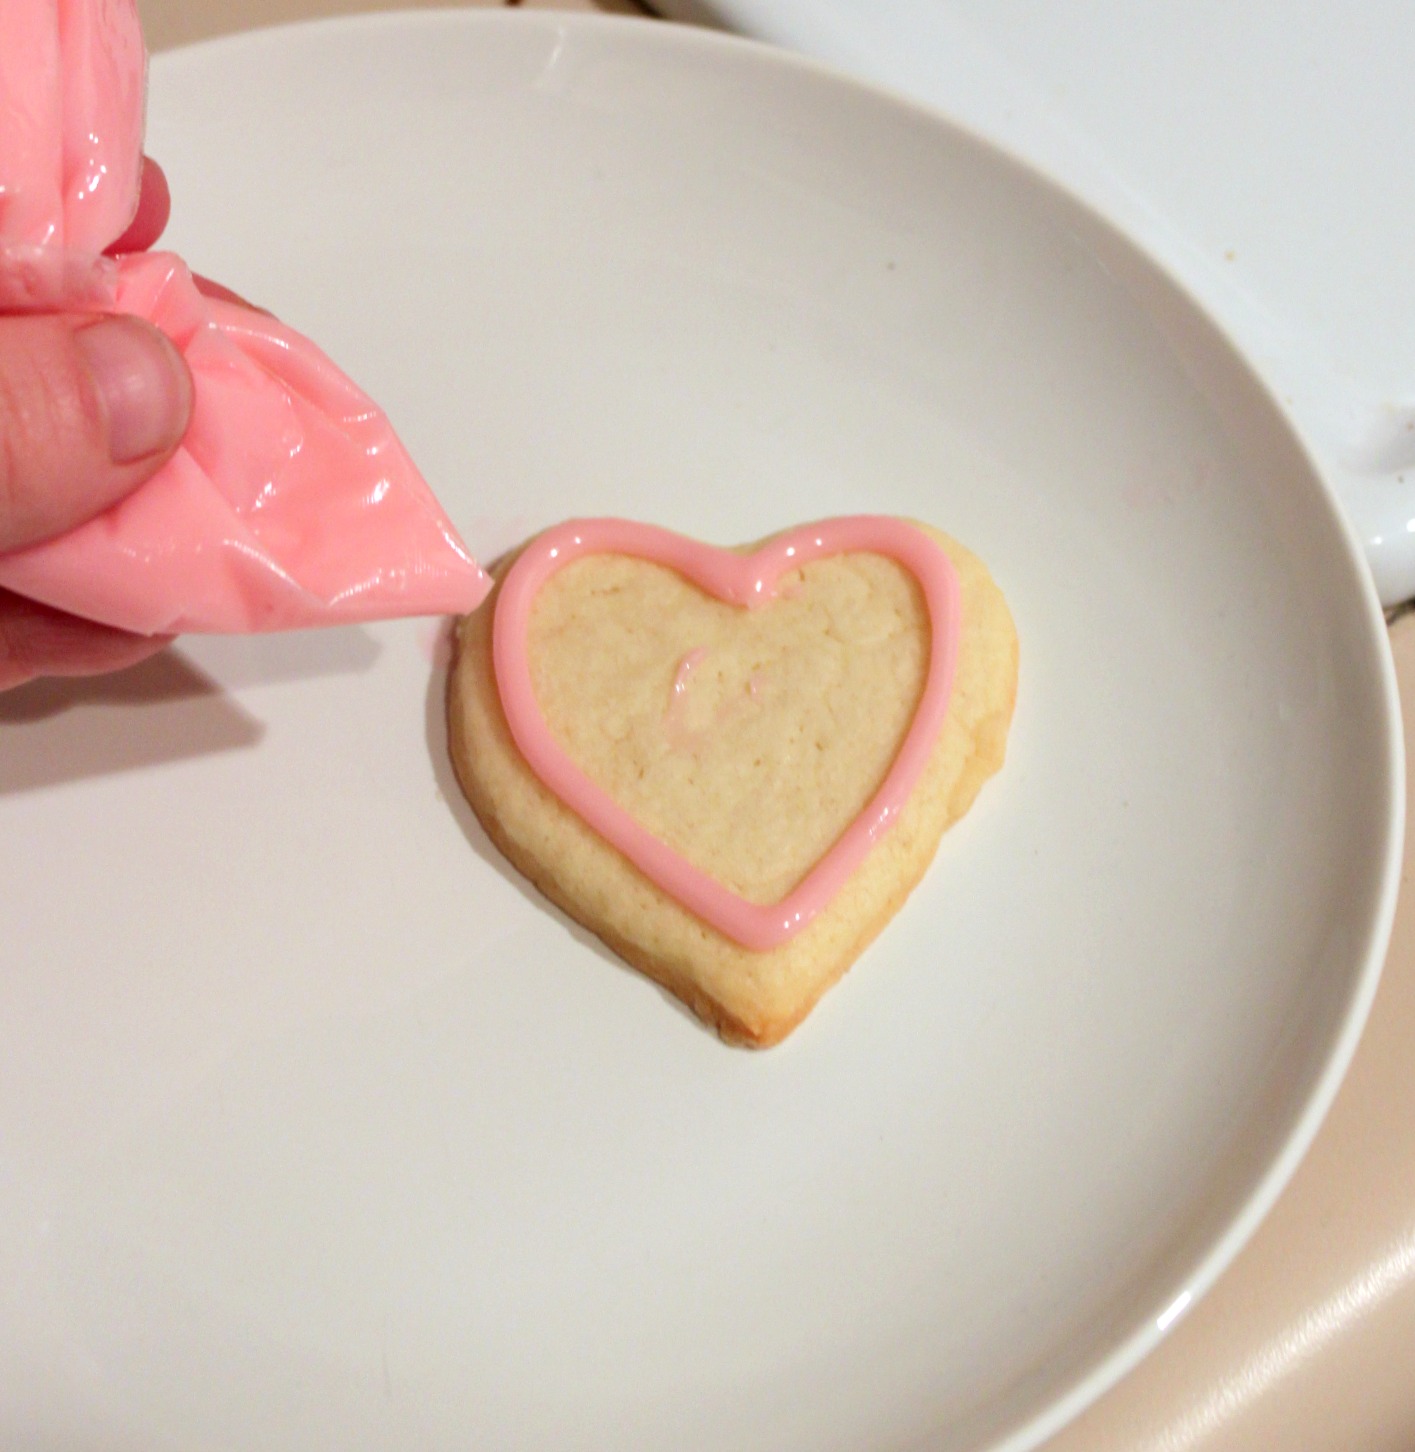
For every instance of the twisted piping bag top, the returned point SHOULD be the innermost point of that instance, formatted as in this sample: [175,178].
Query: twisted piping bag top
[291,502]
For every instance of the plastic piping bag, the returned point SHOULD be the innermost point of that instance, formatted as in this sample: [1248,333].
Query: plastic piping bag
[291,502]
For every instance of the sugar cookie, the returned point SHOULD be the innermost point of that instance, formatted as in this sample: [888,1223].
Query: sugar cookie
[732,766]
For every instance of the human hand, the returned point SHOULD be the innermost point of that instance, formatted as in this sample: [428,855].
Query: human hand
[154,209]
[90,407]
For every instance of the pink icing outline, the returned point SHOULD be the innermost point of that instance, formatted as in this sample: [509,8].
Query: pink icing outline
[749,581]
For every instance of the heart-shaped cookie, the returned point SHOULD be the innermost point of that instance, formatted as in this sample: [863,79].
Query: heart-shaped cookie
[733,766]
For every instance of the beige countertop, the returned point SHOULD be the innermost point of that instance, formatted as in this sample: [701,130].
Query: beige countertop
[1308,1342]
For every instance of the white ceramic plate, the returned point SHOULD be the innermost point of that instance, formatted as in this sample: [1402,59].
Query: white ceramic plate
[317,1128]
[1187,123]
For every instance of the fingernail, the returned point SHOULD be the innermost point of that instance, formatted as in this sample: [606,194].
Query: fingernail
[143,383]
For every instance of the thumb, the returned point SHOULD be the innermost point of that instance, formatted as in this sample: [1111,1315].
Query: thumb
[89,409]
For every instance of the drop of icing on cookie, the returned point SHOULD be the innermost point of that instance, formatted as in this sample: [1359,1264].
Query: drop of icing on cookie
[675,726]
[686,667]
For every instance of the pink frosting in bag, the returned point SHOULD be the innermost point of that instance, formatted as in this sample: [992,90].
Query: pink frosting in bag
[291,502]
[71,114]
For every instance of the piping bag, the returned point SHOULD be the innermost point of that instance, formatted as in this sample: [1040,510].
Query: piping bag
[290,502]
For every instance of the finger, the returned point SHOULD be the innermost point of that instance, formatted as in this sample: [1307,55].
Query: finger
[154,208]
[37,641]
[89,408]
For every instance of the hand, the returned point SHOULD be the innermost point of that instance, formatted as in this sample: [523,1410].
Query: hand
[90,407]
[154,208]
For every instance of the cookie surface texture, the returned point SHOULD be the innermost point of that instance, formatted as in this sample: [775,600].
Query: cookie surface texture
[747,741]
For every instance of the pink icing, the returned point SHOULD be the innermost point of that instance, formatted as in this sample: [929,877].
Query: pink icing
[290,502]
[71,95]
[686,667]
[674,725]
[748,581]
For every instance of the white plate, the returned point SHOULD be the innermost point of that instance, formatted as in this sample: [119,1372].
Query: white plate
[317,1128]
[1190,124]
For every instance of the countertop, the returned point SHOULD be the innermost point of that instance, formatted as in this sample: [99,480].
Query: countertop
[1309,1339]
